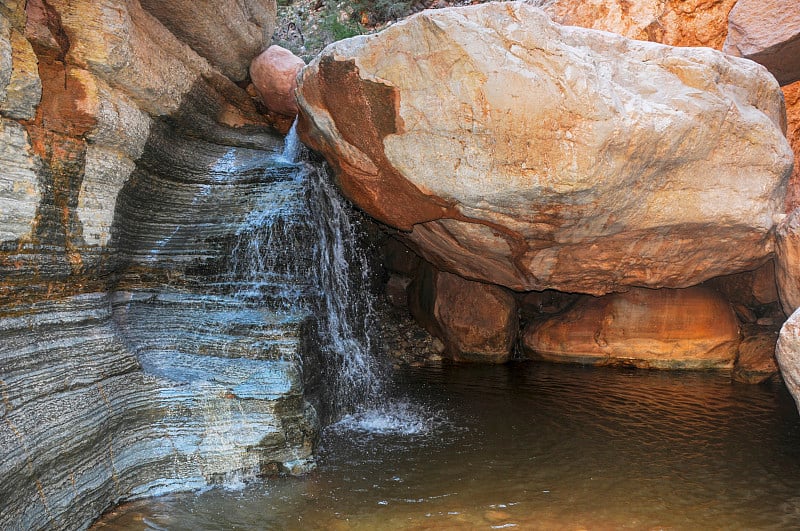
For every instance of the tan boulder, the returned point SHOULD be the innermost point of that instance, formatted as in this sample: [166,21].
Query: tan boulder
[673,22]
[274,74]
[768,32]
[787,353]
[563,169]
[664,329]
[477,322]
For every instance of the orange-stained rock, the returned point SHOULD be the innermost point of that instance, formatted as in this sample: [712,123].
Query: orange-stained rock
[791,94]
[673,22]
[755,362]
[274,74]
[477,322]
[787,262]
[664,329]
[768,32]
[563,169]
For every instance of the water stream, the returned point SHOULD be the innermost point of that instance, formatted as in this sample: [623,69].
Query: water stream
[301,250]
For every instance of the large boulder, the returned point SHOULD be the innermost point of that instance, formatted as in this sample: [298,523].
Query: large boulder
[274,74]
[768,32]
[563,169]
[665,329]
[476,322]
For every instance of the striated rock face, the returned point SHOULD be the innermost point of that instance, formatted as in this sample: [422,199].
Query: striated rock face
[665,329]
[673,22]
[130,166]
[274,74]
[563,169]
[768,32]
[476,322]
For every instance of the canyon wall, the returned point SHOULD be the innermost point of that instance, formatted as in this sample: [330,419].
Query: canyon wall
[130,161]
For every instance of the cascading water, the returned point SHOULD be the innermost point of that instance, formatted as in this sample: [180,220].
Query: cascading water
[301,249]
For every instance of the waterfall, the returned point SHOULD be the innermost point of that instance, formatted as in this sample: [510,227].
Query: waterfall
[301,250]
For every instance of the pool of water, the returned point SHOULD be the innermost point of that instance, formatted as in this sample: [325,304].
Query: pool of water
[530,446]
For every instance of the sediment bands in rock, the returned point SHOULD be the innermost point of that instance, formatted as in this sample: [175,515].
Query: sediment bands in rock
[531,155]
[666,329]
[130,164]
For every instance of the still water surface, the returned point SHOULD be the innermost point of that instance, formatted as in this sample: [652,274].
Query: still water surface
[531,446]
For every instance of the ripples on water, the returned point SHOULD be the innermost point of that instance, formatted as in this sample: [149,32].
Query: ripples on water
[531,446]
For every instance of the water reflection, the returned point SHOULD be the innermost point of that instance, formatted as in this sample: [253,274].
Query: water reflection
[535,447]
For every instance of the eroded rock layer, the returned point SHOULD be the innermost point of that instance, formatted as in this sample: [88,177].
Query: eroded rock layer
[130,164]
[564,168]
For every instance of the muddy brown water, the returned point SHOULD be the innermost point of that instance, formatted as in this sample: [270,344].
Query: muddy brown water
[529,446]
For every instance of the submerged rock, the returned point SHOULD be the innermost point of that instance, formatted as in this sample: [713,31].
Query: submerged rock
[587,162]
[693,328]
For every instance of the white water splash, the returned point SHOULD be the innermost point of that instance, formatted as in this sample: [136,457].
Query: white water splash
[398,418]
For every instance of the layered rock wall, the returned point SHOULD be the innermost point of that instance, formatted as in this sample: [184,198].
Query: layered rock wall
[130,161]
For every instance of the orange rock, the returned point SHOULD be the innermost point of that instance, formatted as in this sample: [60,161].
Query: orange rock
[274,74]
[476,321]
[664,329]
[791,94]
[756,360]
[674,22]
